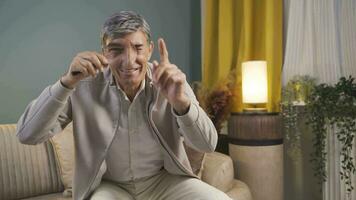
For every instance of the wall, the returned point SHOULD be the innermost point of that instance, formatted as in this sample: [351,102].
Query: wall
[39,38]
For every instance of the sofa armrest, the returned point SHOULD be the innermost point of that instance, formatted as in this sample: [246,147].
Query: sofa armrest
[218,171]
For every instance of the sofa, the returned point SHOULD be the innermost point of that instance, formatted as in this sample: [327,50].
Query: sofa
[44,171]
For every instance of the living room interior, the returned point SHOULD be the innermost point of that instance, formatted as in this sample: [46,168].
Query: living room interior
[276,77]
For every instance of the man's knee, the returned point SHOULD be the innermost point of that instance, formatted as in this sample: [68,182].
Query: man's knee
[192,188]
[205,191]
[109,191]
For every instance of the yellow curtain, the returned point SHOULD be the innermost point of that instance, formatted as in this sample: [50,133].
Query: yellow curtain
[241,30]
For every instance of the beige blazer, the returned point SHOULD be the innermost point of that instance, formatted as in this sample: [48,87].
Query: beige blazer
[94,109]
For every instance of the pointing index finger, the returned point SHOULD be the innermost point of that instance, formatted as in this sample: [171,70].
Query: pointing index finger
[163,51]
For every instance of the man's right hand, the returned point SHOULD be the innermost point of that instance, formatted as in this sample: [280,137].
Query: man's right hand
[84,64]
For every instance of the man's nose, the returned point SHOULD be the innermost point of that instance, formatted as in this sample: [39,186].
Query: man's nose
[130,57]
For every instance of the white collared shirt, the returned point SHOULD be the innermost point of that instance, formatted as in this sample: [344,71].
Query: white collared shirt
[135,152]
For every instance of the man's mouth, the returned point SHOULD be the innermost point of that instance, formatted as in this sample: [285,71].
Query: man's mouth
[129,71]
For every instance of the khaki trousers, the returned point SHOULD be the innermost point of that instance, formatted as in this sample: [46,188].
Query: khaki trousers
[163,186]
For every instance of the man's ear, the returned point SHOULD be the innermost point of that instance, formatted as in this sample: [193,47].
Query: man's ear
[103,45]
[103,51]
[150,48]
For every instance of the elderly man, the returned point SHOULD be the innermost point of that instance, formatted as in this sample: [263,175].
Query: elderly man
[130,118]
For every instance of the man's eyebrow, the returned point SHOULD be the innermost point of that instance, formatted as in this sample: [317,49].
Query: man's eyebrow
[114,45]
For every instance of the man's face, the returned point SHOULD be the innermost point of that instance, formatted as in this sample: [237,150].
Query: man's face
[128,57]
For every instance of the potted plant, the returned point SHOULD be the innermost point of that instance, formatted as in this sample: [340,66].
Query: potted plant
[217,102]
[335,106]
[295,95]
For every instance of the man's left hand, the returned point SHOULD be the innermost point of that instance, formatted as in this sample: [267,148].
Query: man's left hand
[170,80]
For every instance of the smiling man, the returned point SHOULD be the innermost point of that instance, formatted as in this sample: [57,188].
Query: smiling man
[130,119]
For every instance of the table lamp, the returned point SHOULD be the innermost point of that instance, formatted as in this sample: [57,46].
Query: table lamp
[254,86]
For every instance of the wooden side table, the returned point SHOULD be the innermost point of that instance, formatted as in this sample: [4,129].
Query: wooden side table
[256,147]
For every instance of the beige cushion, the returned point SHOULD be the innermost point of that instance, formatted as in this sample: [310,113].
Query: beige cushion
[25,170]
[63,145]
[218,171]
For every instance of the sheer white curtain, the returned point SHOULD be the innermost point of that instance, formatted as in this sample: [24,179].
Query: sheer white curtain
[320,41]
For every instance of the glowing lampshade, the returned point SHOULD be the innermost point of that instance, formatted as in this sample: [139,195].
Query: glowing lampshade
[254,82]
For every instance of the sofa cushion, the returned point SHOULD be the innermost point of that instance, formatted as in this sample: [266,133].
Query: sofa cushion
[63,145]
[218,171]
[25,170]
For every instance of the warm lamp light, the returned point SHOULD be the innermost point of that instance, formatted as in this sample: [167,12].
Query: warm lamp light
[254,82]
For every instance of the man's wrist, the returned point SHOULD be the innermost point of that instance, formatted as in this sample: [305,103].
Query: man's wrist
[65,83]
[182,108]
[188,118]
[60,92]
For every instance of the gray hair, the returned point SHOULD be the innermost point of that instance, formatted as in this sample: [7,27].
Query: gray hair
[122,23]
